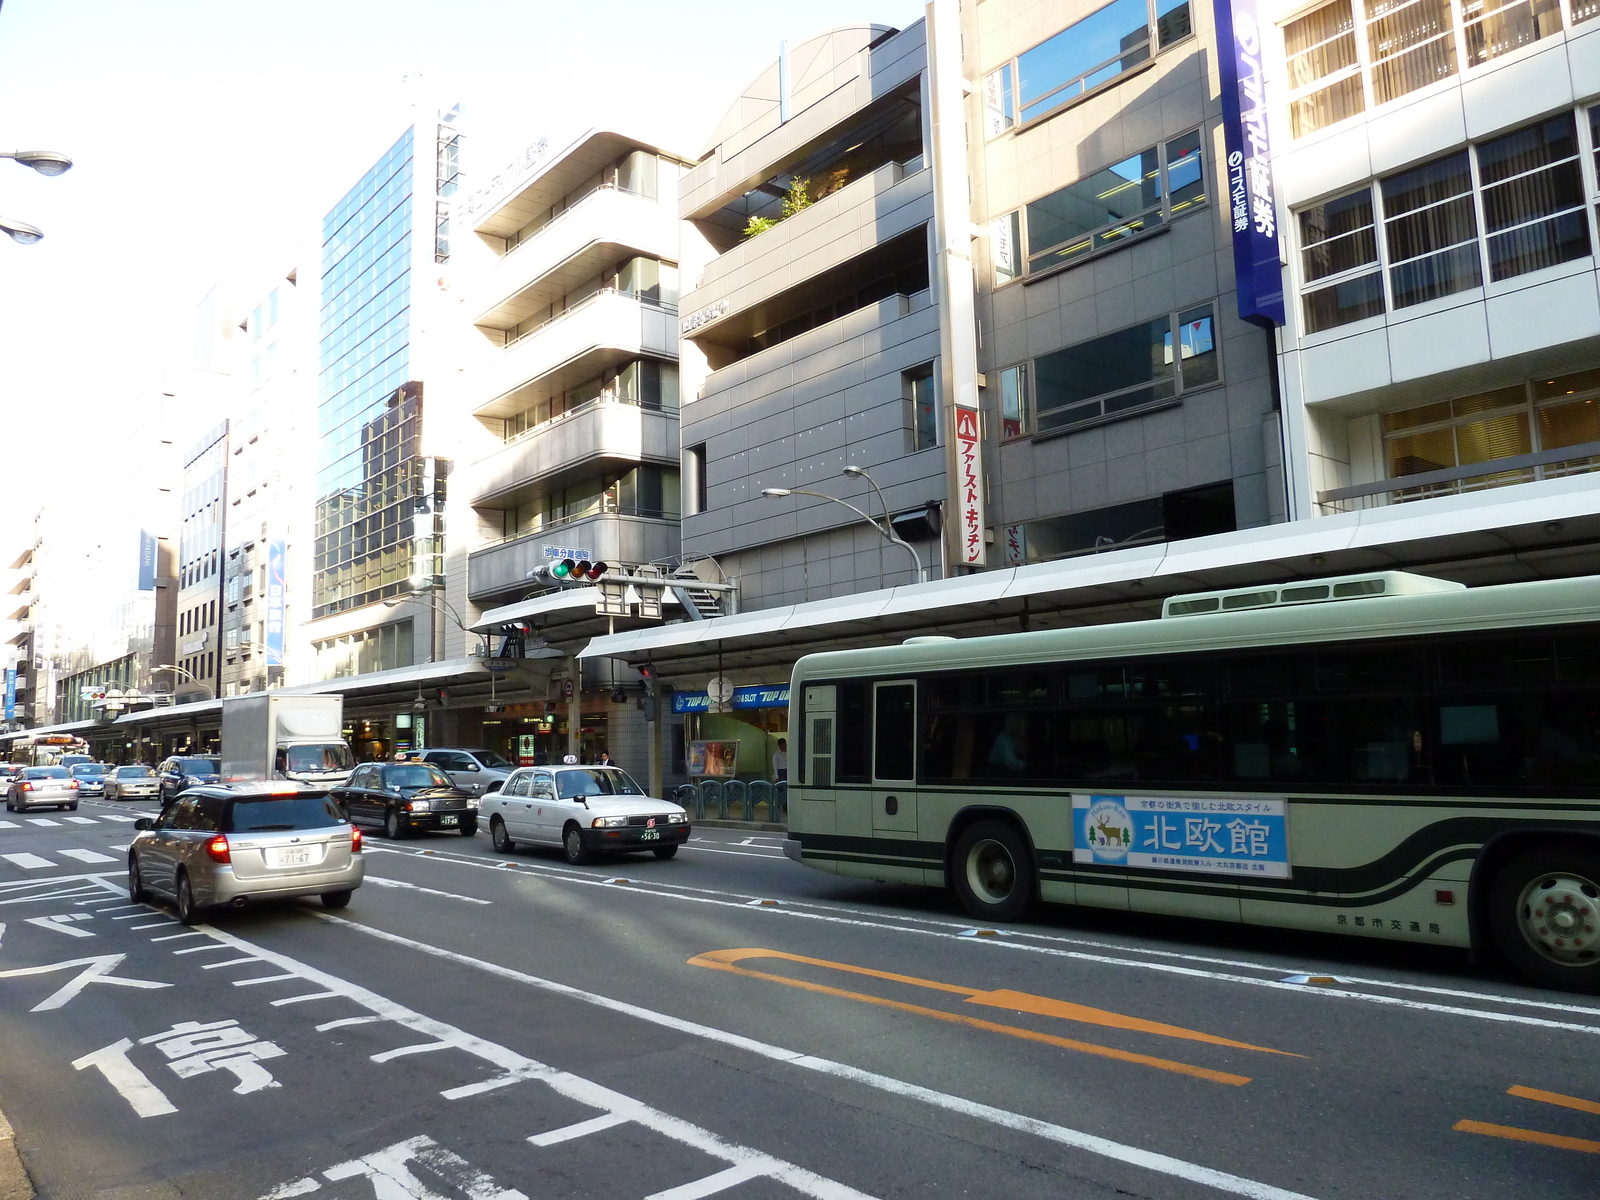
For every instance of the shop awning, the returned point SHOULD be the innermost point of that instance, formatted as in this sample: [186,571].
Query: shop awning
[1533,531]
[72,727]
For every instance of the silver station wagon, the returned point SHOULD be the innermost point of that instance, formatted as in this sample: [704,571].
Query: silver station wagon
[232,844]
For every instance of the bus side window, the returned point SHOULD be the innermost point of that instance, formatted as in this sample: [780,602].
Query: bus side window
[853,761]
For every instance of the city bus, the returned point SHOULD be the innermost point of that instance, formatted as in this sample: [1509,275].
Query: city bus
[1383,755]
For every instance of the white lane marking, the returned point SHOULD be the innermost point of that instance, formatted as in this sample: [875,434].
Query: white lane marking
[28,862]
[287,1191]
[63,923]
[263,979]
[232,962]
[95,970]
[118,817]
[582,1129]
[709,1186]
[1150,1160]
[41,821]
[168,924]
[392,1179]
[514,1068]
[79,820]
[88,856]
[172,937]
[9,825]
[132,1084]
[735,853]
[198,949]
[419,1048]
[954,932]
[413,887]
[343,1021]
[307,996]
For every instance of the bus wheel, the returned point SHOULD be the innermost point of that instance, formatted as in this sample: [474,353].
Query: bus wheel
[1544,911]
[992,870]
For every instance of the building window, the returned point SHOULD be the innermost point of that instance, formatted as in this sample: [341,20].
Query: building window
[1529,187]
[923,417]
[1005,247]
[1013,401]
[646,491]
[1083,57]
[1337,70]
[694,468]
[1339,253]
[1117,203]
[1126,372]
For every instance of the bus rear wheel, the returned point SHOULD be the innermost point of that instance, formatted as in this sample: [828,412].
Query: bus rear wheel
[992,871]
[1544,912]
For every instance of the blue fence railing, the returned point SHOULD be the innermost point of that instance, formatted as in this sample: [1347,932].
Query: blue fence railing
[735,800]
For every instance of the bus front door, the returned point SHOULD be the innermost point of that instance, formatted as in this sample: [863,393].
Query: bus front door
[894,755]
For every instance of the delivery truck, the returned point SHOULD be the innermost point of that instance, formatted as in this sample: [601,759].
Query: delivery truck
[267,735]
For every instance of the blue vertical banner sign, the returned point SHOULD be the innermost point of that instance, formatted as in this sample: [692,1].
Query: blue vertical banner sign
[11,693]
[1252,206]
[274,645]
[147,561]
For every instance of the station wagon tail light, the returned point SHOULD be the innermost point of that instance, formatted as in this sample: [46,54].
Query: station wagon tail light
[27,787]
[607,822]
[355,841]
[217,849]
[72,783]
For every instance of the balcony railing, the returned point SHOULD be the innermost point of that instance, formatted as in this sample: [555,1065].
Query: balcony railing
[1451,481]
[584,304]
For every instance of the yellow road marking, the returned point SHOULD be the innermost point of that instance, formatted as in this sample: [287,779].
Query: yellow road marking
[1512,1133]
[1527,1093]
[1016,1001]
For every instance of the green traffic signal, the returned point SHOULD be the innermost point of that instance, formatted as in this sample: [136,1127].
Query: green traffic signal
[563,569]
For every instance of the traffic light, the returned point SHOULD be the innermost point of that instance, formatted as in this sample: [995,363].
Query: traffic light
[568,570]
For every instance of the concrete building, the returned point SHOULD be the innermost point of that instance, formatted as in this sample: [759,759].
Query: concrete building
[570,288]
[1438,209]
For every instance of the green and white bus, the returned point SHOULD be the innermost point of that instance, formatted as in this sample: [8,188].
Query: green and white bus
[1384,755]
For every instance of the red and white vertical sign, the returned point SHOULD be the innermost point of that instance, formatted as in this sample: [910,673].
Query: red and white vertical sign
[969,476]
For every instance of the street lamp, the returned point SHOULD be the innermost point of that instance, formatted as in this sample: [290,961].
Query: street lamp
[434,598]
[193,678]
[885,530]
[46,162]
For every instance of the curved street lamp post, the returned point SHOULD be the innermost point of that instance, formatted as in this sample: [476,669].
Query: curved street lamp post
[885,530]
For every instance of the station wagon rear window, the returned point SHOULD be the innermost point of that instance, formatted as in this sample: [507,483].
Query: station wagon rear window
[289,812]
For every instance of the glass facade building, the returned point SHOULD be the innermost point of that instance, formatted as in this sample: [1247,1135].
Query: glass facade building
[370,472]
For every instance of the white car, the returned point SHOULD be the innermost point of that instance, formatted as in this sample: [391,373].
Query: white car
[584,810]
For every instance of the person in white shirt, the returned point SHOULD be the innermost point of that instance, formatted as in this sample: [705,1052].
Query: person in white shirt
[780,760]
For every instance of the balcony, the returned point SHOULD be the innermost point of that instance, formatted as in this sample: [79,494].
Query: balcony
[892,200]
[602,331]
[589,440]
[606,226]
[612,537]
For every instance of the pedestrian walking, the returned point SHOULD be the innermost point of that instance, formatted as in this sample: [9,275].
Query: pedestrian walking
[780,760]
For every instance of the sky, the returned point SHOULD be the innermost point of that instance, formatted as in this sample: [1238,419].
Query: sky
[207,133]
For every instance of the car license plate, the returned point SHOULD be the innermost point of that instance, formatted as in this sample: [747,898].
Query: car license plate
[650,835]
[292,856]
[448,820]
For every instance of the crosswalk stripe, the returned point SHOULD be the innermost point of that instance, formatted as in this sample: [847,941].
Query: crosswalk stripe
[41,821]
[88,856]
[28,862]
[118,817]
[80,820]
[8,825]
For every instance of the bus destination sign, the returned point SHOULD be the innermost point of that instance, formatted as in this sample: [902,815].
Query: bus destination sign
[1243,835]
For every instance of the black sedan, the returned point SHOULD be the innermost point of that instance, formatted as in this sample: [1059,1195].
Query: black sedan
[405,798]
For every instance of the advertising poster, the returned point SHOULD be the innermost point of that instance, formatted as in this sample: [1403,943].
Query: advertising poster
[713,759]
[1245,835]
[275,590]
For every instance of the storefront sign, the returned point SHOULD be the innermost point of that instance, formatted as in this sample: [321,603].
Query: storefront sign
[1252,207]
[704,316]
[760,695]
[147,561]
[1233,836]
[969,482]
[513,173]
[275,591]
[11,693]
[1014,544]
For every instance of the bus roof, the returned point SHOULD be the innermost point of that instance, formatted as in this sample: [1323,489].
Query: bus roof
[1502,606]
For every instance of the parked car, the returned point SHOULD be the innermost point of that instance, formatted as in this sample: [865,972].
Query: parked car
[584,810]
[183,771]
[42,787]
[132,782]
[406,798]
[249,841]
[476,772]
[91,778]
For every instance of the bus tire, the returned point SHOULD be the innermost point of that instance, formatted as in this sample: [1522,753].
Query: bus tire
[1544,914]
[992,871]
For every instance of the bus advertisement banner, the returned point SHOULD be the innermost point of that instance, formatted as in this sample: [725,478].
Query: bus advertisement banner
[1242,835]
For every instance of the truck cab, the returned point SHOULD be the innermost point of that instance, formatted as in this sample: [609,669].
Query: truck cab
[324,764]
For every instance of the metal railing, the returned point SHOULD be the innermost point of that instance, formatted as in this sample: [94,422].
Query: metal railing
[734,799]
[1448,481]
[644,301]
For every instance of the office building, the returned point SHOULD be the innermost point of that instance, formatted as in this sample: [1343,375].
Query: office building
[570,285]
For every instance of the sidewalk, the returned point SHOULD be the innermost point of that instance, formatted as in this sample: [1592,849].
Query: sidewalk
[14,1181]
[715,823]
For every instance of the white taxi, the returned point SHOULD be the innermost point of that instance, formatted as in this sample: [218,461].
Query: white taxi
[584,810]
